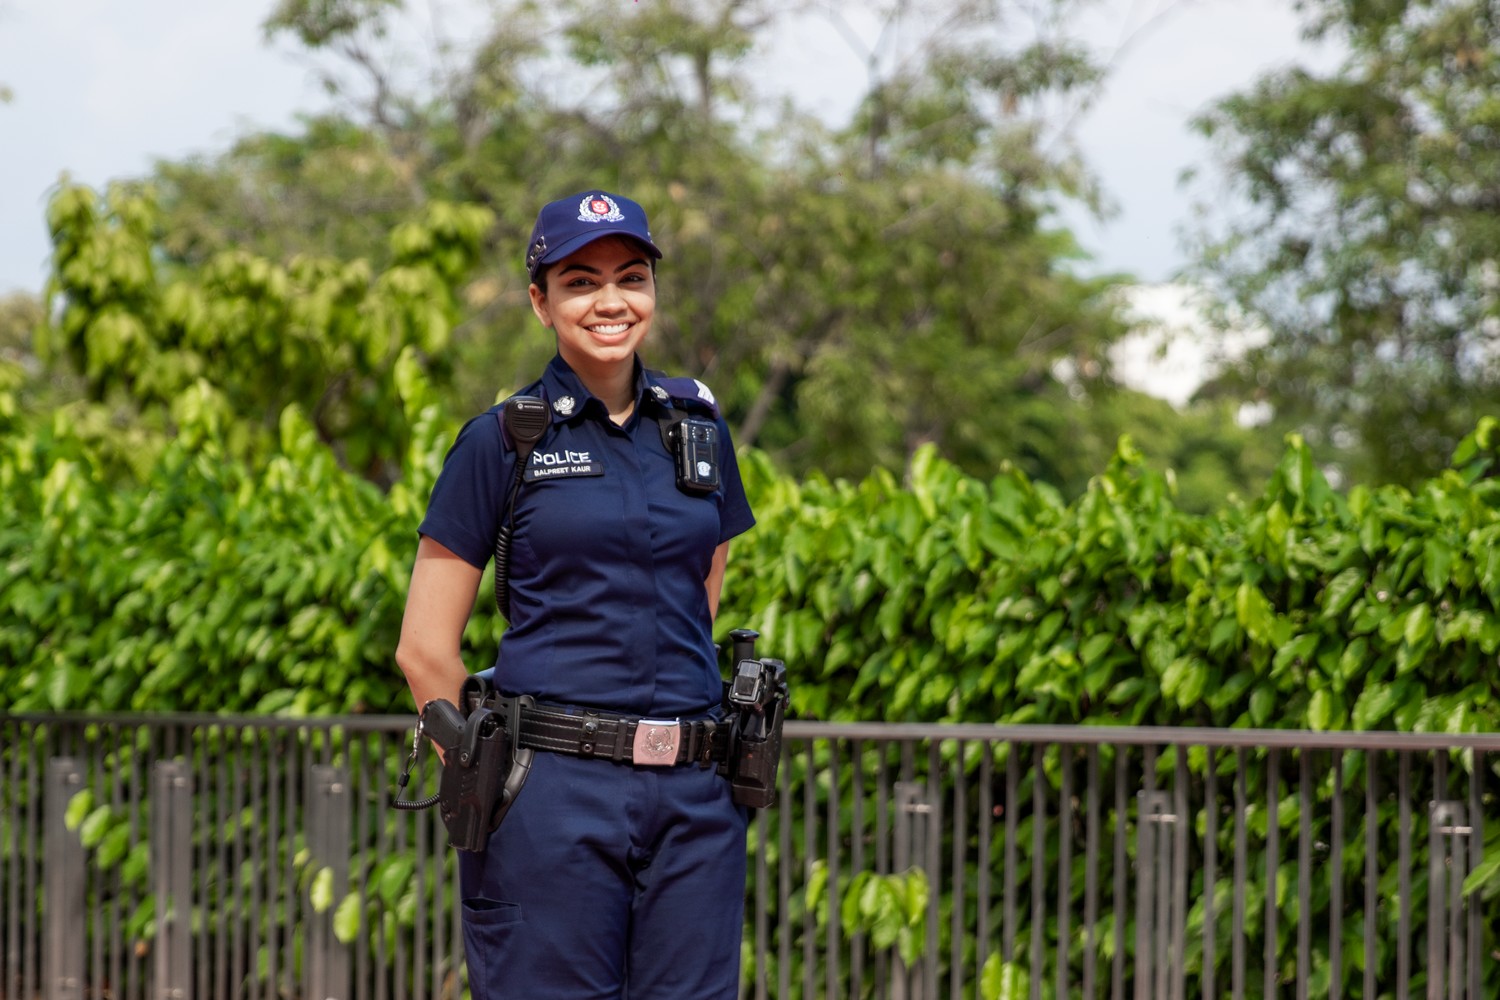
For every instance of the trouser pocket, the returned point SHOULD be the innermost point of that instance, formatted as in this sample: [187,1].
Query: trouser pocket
[489,927]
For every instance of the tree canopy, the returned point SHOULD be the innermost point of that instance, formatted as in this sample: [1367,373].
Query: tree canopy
[1372,248]
[851,290]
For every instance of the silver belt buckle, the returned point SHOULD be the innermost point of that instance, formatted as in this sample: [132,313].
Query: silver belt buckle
[656,742]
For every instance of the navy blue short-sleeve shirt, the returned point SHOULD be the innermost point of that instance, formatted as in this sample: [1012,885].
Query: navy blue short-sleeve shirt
[608,559]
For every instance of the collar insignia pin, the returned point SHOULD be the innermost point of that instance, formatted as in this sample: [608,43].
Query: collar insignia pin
[564,405]
[660,393]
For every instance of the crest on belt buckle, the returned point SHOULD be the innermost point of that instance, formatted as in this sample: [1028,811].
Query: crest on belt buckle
[656,742]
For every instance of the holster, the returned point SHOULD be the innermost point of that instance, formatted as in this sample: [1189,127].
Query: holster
[484,769]
[756,702]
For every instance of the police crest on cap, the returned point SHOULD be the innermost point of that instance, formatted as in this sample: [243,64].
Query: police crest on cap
[599,208]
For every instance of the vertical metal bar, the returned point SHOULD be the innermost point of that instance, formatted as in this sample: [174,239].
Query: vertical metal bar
[933,824]
[222,882]
[1372,871]
[171,841]
[1180,873]
[199,745]
[957,877]
[857,862]
[762,890]
[809,839]
[367,830]
[1038,866]
[1438,819]
[289,798]
[1064,866]
[403,827]
[63,879]
[142,766]
[832,930]
[784,888]
[1210,868]
[1091,873]
[1117,966]
[1012,781]
[15,735]
[1241,875]
[1457,872]
[783,948]
[1273,865]
[1145,881]
[429,870]
[1403,932]
[235,888]
[112,968]
[983,861]
[1145,895]
[1477,765]
[31,975]
[328,835]
[1336,884]
[1304,872]
[93,747]
[1162,901]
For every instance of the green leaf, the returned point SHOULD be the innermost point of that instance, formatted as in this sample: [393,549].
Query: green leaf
[1374,705]
[1001,980]
[1485,876]
[1418,628]
[1253,612]
[1320,710]
[321,893]
[1437,564]
[78,809]
[1262,704]
[1341,592]
[95,826]
[347,918]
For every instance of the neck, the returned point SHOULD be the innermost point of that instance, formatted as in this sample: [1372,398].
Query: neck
[614,386]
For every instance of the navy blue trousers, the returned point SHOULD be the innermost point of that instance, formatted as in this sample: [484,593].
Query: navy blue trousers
[608,882]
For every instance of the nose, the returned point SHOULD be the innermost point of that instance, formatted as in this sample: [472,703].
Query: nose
[609,300]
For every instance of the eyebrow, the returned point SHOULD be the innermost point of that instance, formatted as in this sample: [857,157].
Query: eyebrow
[635,262]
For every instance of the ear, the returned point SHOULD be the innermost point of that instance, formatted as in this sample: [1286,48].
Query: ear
[539,305]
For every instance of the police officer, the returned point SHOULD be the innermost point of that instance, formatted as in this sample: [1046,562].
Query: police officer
[619,872]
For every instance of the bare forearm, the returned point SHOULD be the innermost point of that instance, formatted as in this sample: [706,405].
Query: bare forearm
[431,676]
[437,606]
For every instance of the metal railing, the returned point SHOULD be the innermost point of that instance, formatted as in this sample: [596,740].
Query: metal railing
[210,857]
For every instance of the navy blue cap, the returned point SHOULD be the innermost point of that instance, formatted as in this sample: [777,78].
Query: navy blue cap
[568,224]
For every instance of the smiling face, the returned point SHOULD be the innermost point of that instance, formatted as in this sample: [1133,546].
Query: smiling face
[599,301]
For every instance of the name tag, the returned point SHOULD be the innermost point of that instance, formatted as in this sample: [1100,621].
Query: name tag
[561,464]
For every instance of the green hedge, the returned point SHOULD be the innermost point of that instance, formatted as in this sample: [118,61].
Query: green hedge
[947,598]
[214,587]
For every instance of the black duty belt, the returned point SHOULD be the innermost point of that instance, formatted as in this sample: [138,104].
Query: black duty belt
[645,742]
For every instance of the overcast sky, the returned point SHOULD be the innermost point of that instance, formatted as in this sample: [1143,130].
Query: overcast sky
[103,88]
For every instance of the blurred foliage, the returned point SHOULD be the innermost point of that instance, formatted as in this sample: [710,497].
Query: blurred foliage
[1372,250]
[851,292]
[229,345]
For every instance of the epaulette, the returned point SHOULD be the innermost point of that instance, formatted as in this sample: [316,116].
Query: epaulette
[689,394]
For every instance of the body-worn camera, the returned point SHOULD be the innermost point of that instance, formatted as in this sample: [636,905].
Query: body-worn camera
[756,697]
[695,444]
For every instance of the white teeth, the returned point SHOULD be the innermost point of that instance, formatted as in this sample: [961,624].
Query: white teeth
[611,328]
